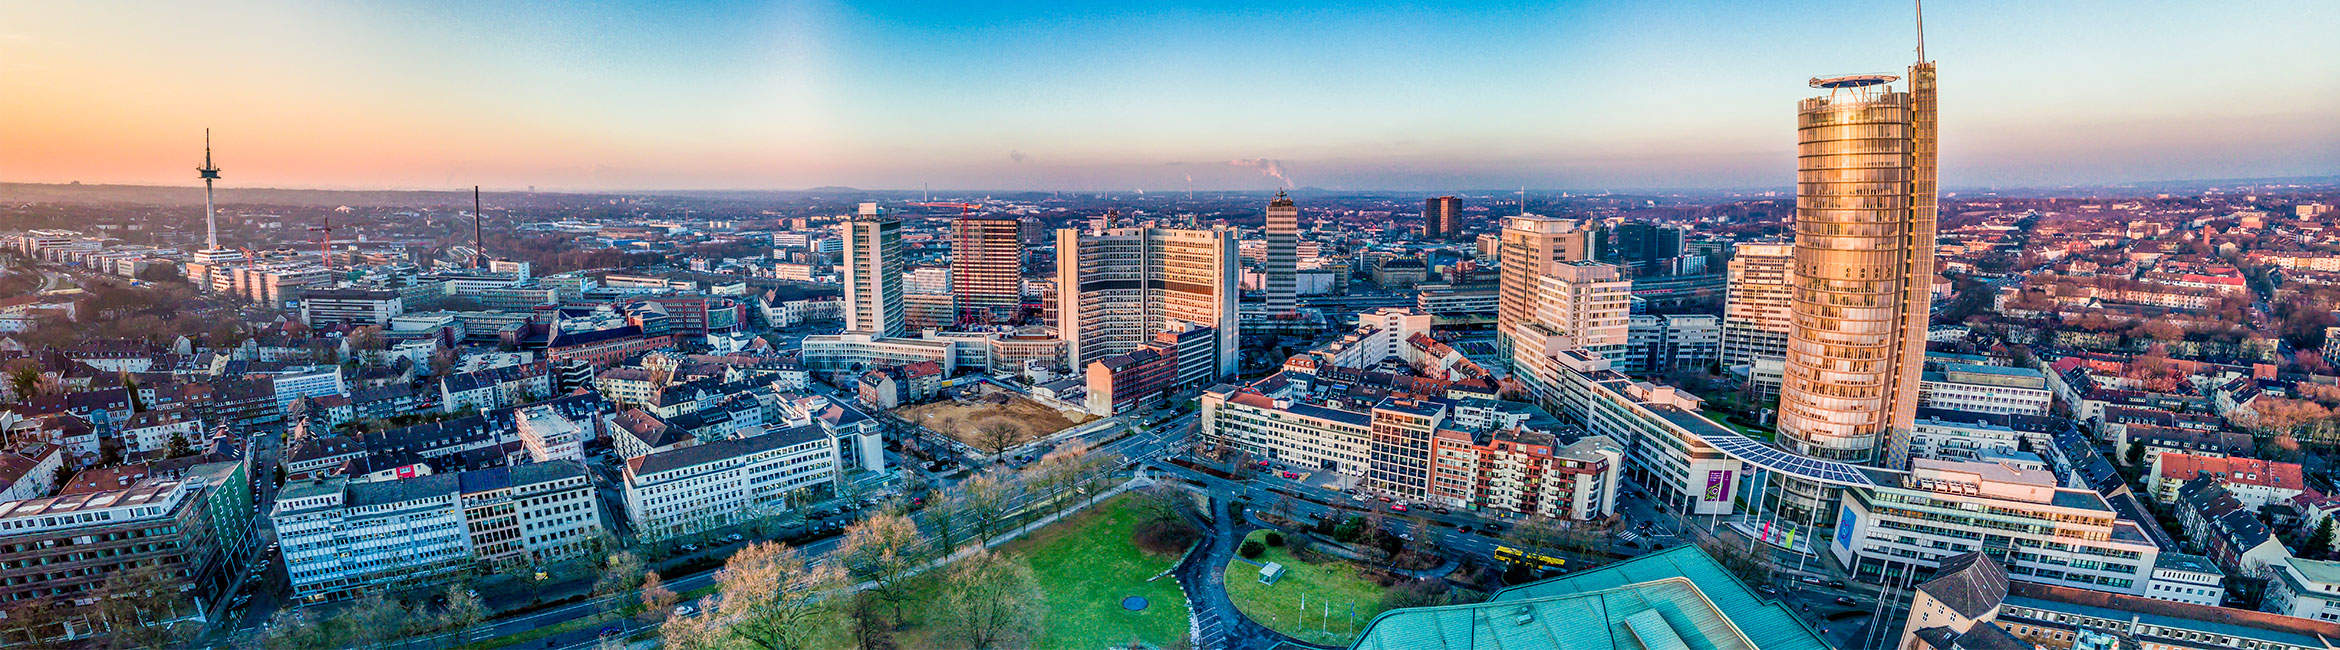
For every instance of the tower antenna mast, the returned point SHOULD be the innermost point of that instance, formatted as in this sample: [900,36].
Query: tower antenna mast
[209,173]
[1921,30]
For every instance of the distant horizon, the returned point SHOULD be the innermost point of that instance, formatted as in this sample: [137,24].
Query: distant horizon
[1117,96]
[941,193]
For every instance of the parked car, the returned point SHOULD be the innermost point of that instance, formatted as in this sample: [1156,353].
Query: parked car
[733,538]
[685,609]
[1466,530]
[1397,507]
[1292,475]
[690,548]
[1442,510]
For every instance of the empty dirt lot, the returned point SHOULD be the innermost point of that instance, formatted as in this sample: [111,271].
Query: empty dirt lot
[968,420]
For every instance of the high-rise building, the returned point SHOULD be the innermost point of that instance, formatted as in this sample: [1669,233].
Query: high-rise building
[1579,304]
[873,273]
[1756,312]
[1863,268]
[987,260]
[1118,288]
[1283,255]
[1441,217]
[1645,248]
[1533,247]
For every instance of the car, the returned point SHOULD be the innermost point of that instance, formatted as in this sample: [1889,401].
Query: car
[1397,507]
[608,631]
[1768,590]
[1839,584]
[1384,498]
[1492,527]
[1847,601]
[1442,510]
[690,548]
[1350,490]
[1356,497]
[1466,530]
[1809,580]
[1290,475]
[733,538]
[685,610]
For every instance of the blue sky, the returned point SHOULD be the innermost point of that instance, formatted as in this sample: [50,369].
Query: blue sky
[1120,96]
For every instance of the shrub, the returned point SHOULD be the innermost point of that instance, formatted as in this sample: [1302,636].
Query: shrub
[1166,536]
[1275,539]
[1250,549]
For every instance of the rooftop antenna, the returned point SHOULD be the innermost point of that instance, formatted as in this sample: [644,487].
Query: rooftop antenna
[209,172]
[1921,27]
[478,242]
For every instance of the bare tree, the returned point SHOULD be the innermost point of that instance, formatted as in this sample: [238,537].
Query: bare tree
[464,611]
[621,572]
[992,601]
[997,434]
[983,501]
[34,622]
[767,596]
[883,550]
[657,600]
[138,607]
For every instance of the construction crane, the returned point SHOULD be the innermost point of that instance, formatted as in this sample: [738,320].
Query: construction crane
[324,232]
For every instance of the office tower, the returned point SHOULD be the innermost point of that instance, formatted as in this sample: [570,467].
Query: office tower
[987,261]
[1756,312]
[1283,254]
[1441,217]
[873,273]
[1118,288]
[1532,247]
[1645,248]
[1863,268]
[1579,304]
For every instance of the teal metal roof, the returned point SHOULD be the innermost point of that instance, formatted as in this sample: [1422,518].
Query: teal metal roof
[1631,605]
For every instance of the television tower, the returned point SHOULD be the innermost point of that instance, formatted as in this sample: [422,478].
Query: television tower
[209,172]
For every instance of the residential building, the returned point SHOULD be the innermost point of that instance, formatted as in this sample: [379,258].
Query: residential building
[1970,602]
[2183,578]
[548,436]
[2254,482]
[1525,472]
[64,548]
[1120,383]
[350,307]
[892,386]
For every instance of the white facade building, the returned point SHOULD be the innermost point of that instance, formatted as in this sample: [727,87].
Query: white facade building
[715,484]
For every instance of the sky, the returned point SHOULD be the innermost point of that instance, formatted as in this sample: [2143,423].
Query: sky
[1105,95]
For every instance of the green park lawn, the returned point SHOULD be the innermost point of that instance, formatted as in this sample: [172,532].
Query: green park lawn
[1087,565]
[1333,586]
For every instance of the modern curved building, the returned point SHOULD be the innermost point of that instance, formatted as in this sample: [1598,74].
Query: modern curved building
[1863,259]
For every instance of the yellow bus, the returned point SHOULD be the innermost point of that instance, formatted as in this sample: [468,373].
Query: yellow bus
[1509,554]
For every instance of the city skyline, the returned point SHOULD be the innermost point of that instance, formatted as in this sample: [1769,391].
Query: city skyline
[1121,98]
